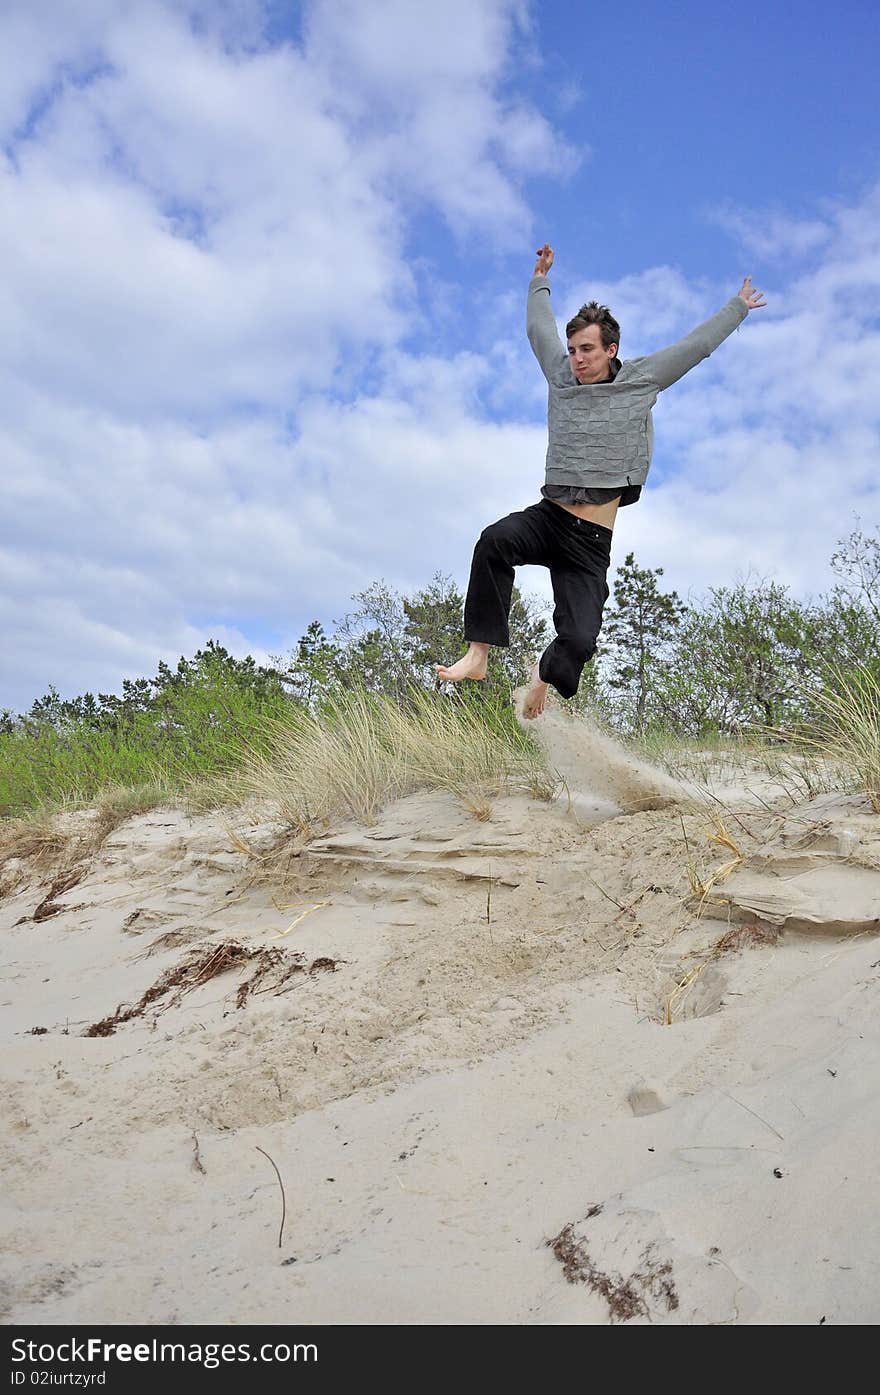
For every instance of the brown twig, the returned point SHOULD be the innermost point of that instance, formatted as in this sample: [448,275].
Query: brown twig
[608,896]
[283,1197]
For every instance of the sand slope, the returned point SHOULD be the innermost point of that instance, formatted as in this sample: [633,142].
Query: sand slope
[467,1060]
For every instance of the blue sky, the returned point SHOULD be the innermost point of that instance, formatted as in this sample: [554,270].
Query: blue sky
[264,269]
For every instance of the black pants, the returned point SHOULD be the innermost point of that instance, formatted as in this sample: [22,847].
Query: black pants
[577,553]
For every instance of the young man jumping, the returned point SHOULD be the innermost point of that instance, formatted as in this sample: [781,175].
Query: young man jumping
[601,437]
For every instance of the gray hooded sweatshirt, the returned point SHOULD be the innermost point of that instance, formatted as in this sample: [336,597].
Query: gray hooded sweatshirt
[601,434]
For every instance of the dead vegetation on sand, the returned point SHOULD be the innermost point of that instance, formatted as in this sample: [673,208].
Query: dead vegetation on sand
[627,1298]
[270,972]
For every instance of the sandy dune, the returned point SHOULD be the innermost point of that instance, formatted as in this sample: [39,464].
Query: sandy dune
[456,1052]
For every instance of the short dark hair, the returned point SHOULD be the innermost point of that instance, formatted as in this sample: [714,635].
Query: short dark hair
[595,314]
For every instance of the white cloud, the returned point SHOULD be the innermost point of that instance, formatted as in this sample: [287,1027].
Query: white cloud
[189,230]
[204,233]
[427,85]
[772,234]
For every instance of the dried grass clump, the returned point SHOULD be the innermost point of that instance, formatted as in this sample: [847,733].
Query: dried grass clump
[701,886]
[40,846]
[38,841]
[451,745]
[28,847]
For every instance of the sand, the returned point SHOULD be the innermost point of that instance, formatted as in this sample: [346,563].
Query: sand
[509,1071]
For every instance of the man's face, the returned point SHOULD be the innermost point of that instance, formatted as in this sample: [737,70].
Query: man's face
[589,358]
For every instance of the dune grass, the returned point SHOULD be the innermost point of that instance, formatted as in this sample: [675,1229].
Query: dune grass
[357,753]
[311,766]
[801,768]
[475,752]
[713,756]
[363,750]
[847,733]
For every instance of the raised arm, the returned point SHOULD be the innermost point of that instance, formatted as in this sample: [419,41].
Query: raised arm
[540,322]
[668,365]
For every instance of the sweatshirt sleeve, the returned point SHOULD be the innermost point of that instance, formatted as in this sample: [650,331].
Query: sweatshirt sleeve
[668,365]
[541,329]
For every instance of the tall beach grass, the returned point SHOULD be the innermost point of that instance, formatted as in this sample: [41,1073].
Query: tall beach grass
[847,732]
[363,750]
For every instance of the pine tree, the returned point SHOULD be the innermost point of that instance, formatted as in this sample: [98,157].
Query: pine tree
[637,632]
[311,666]
[434,625]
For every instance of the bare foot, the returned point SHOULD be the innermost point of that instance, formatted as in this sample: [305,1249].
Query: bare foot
[535,695]
[470,665]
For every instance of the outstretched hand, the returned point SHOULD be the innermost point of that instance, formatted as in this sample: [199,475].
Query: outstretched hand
[545,260]
[753,299]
